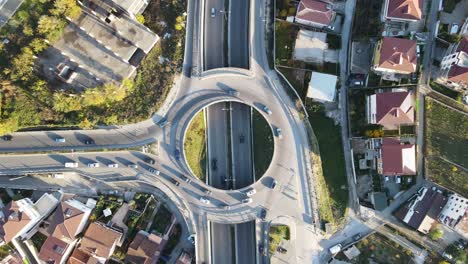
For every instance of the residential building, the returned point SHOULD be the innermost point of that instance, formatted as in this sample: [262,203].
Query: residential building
[19,218]
[184,258]
[322,87]
[145,248]
[421,211]
[311,46]
[315,13]
[454,210]
[98,243]
[395,58]
[133,7]
[396,158]
[454,67]
[67,222]
[390,109]
[402,10]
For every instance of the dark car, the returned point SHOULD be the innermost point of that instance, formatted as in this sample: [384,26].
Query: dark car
[150,160]
[177,154]
[261,249]
[273,184]
[263,214]
[357,237]
[186,179]
[7,137]
[214,164]
[281,250]
[89,142]
[175,182]
[241,138]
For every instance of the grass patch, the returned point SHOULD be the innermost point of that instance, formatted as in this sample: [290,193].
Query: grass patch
[38,240]
[195,146]
[161,220]
[277,234]
[332,208]
[446,141]
[449,5]
[285,37]
[5,250]
[334,41]
[297,79]
[263,145]
[102,204]
[381,250]
[367,22]
[445,91]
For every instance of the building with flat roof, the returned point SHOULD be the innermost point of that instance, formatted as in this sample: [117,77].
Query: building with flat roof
[454,210]
[454,67]
[322,87]
[403,10]
[315,13]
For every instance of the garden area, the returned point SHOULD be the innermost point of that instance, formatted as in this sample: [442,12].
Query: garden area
[367,22]
[377,248]
[5,250]
[38,240]
[332,185]
[277,234]
[449,5]
[446,91]
[28,100]
[162,220]
[263,144]
[195,146]
[446,141]
[105,202]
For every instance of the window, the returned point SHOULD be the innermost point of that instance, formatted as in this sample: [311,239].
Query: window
[68,212]
[58,249]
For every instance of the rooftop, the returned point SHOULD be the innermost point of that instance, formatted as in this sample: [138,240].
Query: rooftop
[405,9]
[398,158]
[99,240]
[394,109]
[459,72]
[145,248]
[53,250]
[322,87]
[315,11]
[397,54]
[15,216]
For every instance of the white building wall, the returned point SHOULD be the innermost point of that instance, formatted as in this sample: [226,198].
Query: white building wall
[454,210]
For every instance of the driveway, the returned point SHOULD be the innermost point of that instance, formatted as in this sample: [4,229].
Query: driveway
[458,14]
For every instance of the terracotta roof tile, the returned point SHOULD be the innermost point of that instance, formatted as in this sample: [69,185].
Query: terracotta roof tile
[145,248]
[394,160]
[394,109]
[12,222]
[398,54]
[405,9]
[52,250]
[66,221]
[99,240]
[320,12]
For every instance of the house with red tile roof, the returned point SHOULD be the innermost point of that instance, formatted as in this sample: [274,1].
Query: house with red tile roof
[390,109]
[395,56]
[396,158]
[66,223]
[454,67]
[403,10]
[145,248]
[20,217]
[315,13]
[97,245]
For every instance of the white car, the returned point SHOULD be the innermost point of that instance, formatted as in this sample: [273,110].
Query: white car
[267,110]
[93,165]
[279,133]
[213,12]
[398,179]
[251,192]
[113,165]
[132,165]
[247,200]
[204,200]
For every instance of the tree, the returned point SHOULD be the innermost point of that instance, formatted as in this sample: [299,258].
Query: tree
[22,65]
[38,45]
[140,18]
[435,233]
[67,8]
[8,126]
[65,103]
[51,27]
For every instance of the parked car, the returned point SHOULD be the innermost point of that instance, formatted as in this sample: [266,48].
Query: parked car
[279,133]
[150,160]
[213,12]
[263,213]
[233,92]
[273,184]
[454,28]
[89,142]
[247,200]
[281,250]
[186,179]
[251,192]
[214,164]
[386,178]
[177,154]
[335,249]
[175,182]
[162,123]
[58,175]
[153,170]
[60,140]
[113,165]
[204,200]
[132,165]
[261,249]
[357,237]
[7,137]
[71,164]
[267,110]
[398,179]
[93,165]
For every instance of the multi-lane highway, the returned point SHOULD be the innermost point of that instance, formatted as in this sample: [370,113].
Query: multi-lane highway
[259,85]
[214,25]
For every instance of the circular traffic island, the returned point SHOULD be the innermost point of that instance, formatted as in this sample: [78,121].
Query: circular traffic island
[228,145]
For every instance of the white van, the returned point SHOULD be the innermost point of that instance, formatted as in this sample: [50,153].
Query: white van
[71,164]
[335,249]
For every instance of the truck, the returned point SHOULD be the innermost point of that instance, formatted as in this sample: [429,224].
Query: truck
[335,249]
[71,164]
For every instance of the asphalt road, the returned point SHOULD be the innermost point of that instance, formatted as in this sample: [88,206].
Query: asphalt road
[218,151]
[238,31]
[7,9]
[242,148]
[214,35]
[245,243]
[221,244]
